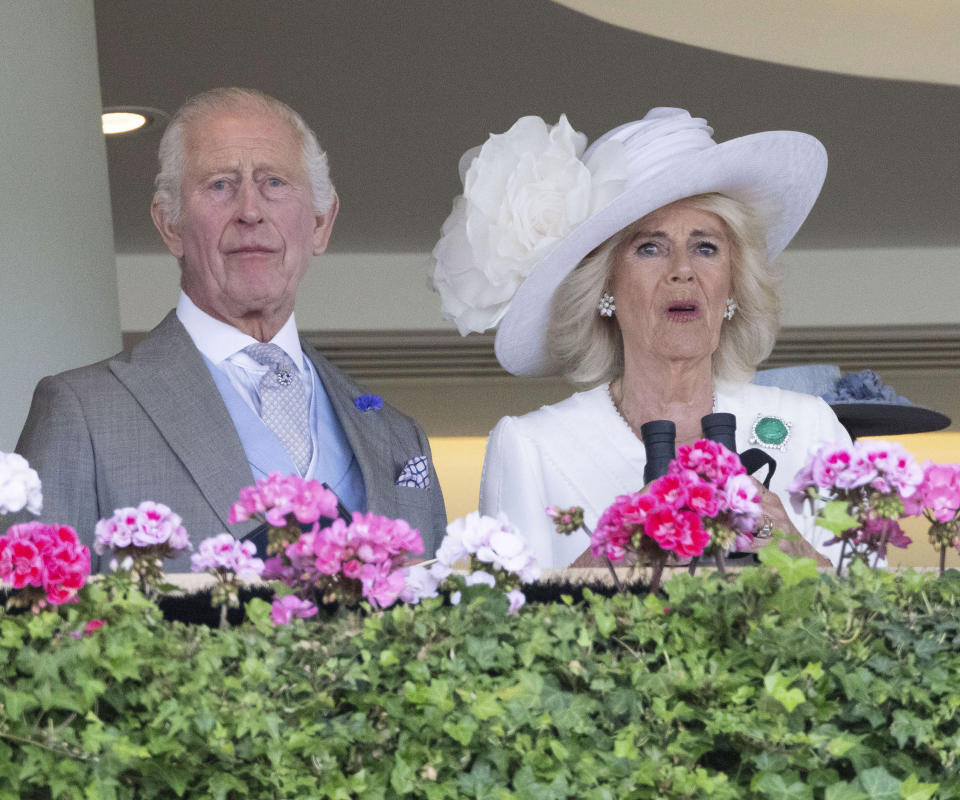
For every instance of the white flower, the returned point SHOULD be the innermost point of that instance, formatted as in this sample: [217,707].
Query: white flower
[517,600]
[451,549]
[441,571]
[505,550]
[480,577]
[19,485]
[419,583]
[524,190]
[465,536]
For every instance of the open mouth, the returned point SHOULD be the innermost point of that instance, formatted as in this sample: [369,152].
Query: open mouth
[683,310]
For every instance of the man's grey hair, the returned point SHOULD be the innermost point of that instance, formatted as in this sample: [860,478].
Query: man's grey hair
[173,153]
[588,349]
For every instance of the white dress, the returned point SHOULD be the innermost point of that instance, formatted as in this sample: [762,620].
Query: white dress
[581,452]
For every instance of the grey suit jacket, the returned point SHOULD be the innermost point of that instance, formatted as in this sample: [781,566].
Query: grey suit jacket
[150,424]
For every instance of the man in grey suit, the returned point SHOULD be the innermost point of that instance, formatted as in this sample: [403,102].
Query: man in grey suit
[243,201]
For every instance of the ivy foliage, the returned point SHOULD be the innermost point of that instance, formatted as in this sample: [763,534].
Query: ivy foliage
[763,685]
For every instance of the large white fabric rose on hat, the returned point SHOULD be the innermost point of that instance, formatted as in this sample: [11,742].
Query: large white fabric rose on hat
[523,191]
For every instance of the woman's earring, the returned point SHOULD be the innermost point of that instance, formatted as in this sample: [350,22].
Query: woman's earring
[731,308]
[606,306]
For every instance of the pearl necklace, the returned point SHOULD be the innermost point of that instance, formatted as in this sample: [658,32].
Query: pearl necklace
[625,421]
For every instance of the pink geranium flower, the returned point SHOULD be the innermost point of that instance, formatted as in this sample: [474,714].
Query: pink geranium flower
[349,561]
[937,498]
[284,609]
[705,489]
[49,558]
[150,526]
[279,497]
[874,481]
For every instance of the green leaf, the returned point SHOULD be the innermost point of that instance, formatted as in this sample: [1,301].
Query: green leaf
[880,784]
[11,634]
[775,786]
[257,611]
[844,791]
[606,622]
[486,706]
[778,686]
[838,746]
[792,569]
[624,745]
[834,517]
[461,731]
[913,789]
[814,670]
[403,779]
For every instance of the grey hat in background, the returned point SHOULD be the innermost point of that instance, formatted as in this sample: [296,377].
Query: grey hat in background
[861,400]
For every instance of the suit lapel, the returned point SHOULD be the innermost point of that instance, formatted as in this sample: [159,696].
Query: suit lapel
[368,432]
[167,376]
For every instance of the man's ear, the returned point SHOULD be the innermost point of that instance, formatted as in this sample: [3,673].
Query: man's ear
[323,225]
[169,232]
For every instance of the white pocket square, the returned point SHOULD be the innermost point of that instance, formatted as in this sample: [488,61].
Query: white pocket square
[415,473]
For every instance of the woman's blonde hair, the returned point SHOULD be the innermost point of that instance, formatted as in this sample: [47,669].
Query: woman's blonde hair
[588,349]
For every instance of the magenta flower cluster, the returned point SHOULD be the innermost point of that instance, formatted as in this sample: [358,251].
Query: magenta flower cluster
[286,609]
[48,558]
[883,467]
[222,553]
[370,550]
[148,526]
[362,559]
[938,495]
[938,499]
[872,480]
[706,495]
[278,496]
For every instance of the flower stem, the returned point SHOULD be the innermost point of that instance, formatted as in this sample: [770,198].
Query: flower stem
[721,563]
[882,547]
[943,559]
[692,569]
[613,572]
[843,552]
[657,573]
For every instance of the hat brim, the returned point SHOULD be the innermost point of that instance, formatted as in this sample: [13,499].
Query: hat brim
[888,419]
[777,173]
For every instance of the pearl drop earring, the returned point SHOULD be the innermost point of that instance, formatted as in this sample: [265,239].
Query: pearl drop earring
[731,308]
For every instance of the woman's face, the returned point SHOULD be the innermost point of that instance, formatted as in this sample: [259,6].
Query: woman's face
[671,278]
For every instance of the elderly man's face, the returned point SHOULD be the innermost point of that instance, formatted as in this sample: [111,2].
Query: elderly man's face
[247,227]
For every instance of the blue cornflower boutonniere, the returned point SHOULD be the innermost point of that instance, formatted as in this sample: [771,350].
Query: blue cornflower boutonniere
[368,402]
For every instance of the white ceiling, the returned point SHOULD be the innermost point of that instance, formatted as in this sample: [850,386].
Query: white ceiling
[398,90]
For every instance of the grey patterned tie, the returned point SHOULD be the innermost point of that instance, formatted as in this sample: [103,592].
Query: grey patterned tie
[283,402]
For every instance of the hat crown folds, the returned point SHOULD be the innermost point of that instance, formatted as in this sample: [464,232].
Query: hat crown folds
[653,143]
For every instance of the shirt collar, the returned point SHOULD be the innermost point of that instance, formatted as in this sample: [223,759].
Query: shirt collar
[218,341]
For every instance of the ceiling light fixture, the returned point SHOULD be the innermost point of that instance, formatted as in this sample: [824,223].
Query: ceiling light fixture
[131,119]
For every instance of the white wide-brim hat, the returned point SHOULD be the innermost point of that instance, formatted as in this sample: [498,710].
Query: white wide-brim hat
[669,156]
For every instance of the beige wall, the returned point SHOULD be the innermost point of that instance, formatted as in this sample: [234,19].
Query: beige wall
[386,291]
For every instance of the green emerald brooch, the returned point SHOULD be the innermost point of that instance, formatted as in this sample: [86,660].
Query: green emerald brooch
[771,432]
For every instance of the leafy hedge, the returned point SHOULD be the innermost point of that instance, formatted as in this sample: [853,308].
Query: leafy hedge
[767,684]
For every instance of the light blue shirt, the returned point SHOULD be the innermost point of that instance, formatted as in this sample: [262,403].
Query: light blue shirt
[238,376]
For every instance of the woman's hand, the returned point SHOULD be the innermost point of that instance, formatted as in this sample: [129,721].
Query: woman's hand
[775,518]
